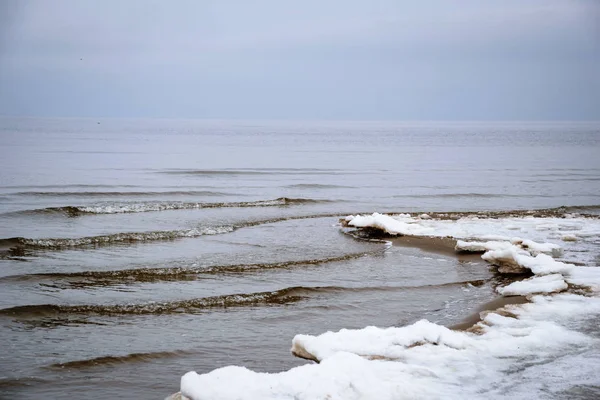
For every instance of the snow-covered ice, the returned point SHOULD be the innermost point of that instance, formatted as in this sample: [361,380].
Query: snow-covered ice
[538,284]
[419,361]
[426,360]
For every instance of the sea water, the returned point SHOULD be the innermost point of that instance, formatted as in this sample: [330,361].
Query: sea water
[134,251]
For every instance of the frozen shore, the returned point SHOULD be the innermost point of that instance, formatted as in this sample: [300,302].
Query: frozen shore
[536,321]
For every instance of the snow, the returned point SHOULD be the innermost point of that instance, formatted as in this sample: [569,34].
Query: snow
[484,229]
[512,254]
[393,226]
[588,277]
[422,360]
[538,284]
[515,257]
[537,248]
[426,360]
[532,247]
[481,247]
[376,342]
[344,376]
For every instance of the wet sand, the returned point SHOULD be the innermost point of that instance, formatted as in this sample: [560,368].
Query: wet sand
[493,305]
[437,245]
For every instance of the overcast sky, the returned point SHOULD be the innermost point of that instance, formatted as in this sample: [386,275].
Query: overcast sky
[346,59]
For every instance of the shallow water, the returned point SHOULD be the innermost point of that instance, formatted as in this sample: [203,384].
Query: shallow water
[133,251]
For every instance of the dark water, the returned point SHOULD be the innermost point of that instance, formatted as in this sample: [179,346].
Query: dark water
[133,251]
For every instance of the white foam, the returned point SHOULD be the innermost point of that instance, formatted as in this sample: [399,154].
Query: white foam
[139,207]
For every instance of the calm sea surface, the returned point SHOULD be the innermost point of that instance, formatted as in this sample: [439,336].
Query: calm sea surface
[133,251]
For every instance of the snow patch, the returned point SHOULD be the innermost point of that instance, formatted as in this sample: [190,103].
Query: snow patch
[585,276]
[480,247]
[393,226]
[388,343]
[539,284]
[537,248]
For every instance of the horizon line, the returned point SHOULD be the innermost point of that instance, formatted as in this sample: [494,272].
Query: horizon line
[262,119]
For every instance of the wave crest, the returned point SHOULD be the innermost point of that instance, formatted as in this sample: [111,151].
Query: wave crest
[284,296]
[116,277]
[123,208]
[127,237]
[278,297]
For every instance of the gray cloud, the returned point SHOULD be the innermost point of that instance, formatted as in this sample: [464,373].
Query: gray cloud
[511,59]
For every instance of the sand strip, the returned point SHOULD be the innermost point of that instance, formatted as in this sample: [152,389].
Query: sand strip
[489,306]
[438,245]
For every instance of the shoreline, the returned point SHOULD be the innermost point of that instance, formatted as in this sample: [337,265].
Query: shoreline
[437,245]
[494,305]
[470,321]
[446,246]
[443,246]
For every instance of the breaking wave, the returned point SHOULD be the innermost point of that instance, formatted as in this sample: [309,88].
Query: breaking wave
[170,274]
[583,209]
[127,237]
[10,247]
[277,297]
[122,208]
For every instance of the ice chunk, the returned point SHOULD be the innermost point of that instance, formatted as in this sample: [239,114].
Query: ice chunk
[393,226]
[532,247]
[508,259]
[376,342]
[543,264]
[539,284]
[537,248]
[480,247]
[560,308]
[585,276]
[516,260]
[344,376]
